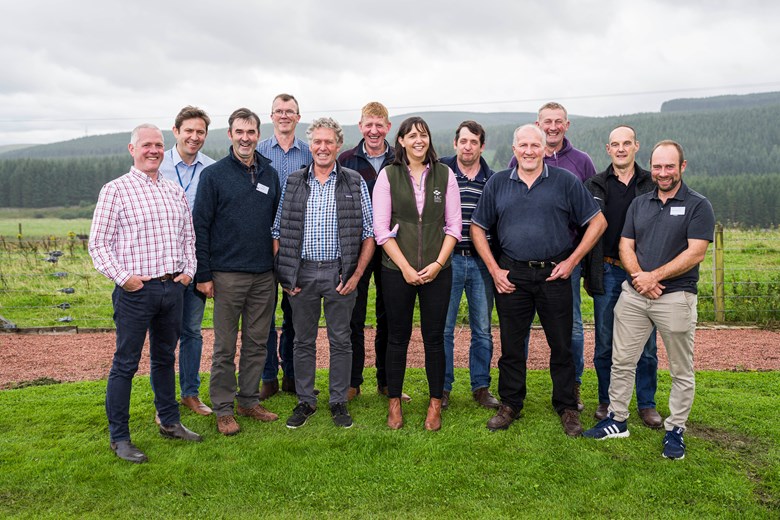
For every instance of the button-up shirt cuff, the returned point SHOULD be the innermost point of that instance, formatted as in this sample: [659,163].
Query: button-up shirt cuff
[381,238]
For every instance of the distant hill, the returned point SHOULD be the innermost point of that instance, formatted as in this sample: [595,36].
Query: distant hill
[721,102]
[11,147]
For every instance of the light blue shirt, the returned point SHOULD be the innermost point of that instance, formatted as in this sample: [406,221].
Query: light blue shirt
[176,170]
[321,228]
[297,157]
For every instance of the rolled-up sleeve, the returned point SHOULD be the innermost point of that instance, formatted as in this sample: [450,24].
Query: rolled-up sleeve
[453,217]
[383,207]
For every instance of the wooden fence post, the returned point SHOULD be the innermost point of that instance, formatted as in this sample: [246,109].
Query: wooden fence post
[718,289]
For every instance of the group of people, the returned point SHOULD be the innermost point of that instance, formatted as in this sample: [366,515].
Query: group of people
[180,228]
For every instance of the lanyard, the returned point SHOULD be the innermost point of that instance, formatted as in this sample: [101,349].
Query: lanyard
[176,167]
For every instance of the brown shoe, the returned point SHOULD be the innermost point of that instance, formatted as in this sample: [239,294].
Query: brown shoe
[445,400]
[269,389]
[602,411]
[580,404]
[194,404]
[503,418]
[570,419]
[227,425]
[382,390]
[257,412]
[651,418]
[433,419]
[395,418]
[485,398]
[353,392]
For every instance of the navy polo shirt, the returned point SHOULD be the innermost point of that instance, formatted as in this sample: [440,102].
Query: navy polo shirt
[534,223]
[661,231]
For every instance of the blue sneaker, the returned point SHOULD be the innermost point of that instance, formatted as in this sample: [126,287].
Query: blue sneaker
[674,446]
[609,428]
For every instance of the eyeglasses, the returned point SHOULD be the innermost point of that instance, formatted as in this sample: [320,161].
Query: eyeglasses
[289,113]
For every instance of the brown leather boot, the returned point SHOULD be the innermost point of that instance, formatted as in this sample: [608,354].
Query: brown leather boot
[433,420]
[395,418]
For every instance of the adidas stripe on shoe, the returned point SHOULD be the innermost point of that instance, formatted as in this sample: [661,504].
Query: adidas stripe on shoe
[609,428]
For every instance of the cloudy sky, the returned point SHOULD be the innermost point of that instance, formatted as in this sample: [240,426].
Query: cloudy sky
[95,66]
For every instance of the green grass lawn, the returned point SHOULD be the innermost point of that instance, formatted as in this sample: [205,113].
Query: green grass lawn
[55,461]
[29,289]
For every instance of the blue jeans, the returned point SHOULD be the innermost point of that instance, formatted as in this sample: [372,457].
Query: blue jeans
[191,342]
[604,315]
[470,274]
[155,308]
[577,336]
[285,343]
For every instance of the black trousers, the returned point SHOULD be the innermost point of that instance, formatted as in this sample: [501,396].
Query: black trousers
[399,303]
[553,302]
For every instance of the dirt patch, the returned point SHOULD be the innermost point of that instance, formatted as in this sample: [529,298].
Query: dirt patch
[76,357]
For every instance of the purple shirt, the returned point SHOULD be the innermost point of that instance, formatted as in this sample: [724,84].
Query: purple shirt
[383,206]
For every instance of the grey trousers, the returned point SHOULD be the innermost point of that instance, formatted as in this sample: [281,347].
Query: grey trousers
[318,281]
[674,315]
[250,297]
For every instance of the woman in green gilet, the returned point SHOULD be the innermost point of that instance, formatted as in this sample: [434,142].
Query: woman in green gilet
[417,221]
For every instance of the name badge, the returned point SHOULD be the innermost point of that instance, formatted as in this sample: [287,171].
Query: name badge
[262,188]
[677,211]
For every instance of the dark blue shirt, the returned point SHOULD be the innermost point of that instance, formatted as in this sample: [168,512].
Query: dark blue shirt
[470,192]
[661,231]
[533,223]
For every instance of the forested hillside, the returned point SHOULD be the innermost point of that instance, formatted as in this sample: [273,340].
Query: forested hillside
[733,155]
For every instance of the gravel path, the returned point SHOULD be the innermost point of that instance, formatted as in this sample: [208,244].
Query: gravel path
[75,357]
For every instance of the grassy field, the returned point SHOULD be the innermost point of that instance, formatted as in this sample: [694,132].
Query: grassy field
[30,291]
[55,461]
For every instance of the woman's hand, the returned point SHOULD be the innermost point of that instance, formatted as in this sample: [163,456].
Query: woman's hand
[411,276]
[430,272]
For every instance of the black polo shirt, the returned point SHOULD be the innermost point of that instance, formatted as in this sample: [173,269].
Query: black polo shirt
[535,223]
[661,231]
[619,198]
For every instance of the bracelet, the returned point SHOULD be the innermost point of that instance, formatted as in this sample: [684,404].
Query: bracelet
[440,264]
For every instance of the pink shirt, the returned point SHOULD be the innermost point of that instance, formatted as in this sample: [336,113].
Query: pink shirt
[383,206]
[142,227]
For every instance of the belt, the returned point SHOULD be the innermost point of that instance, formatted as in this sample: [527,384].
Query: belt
[463,252]
[166,277]
[613,261]
[533,264]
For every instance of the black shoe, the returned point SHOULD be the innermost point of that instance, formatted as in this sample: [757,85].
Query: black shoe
[126,450]
[340,415]
[178,431]
[503,418]
[301,414]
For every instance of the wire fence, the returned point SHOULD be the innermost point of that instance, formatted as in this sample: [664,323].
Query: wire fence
[51,282]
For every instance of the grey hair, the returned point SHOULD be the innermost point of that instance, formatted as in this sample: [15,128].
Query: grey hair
[326,122]
[137,129]
[534,128]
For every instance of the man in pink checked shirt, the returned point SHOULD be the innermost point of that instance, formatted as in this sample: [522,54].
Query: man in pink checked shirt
[142,239]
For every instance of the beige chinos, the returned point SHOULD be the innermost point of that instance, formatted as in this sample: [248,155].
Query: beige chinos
[675,316]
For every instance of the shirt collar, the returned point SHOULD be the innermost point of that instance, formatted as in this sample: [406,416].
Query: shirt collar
[142,176]
[332,175]
[680,195]
[383,154]
[275,142]
[178,160]
[515,177]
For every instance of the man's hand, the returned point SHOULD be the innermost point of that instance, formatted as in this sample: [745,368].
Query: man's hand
[135,283]
[346,288]
[562,270]
[183,279]
[501,280]
[292,292]
[206,288]
[647,285]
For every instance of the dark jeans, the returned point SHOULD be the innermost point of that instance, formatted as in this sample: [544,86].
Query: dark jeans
[553,302]
[358,325]
[285,344]
[399,302]
[157,308]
